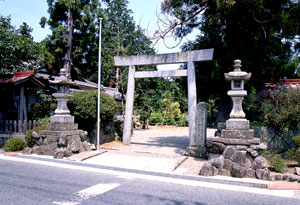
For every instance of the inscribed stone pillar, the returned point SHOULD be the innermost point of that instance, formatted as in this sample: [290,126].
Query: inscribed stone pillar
[192,96]
[129,106]
[201,124]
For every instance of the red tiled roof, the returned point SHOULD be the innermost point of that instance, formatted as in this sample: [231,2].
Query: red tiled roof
[291,81]
[20,76]
[285,83]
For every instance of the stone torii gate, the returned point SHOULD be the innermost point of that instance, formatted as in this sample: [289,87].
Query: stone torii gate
[188,57]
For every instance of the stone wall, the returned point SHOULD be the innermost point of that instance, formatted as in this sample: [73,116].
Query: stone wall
[237,161]
[277,142]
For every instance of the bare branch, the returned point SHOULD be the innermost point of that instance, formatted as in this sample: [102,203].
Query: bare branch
[169,26]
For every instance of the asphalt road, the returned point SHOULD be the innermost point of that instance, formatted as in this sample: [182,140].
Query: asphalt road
[32,183]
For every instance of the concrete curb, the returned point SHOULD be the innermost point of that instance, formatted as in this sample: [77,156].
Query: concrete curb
[283,186]
[84,155]
[7,154]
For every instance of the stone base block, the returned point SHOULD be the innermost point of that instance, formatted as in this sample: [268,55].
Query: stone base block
[237,124]
[62,133]
[196,151]
[236,141]
[238,134]
[62,126]
[62,119]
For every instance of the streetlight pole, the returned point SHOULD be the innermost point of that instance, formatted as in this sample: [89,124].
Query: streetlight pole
[99,86]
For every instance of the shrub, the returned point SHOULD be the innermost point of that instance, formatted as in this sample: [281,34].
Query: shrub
[276,163]
[282,109]
[296,141]
[278,108]
[29,139]
[14,144]
[83,105]
[156,118]
[267,154]
[294,154]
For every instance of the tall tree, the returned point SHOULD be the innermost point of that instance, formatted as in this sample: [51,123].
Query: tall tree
[263,34]
[18,51]
[74,39]
[121,37]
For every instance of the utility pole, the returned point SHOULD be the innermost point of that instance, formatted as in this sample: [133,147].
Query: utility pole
[99,86]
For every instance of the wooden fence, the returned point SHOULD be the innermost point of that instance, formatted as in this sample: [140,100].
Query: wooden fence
[18,126]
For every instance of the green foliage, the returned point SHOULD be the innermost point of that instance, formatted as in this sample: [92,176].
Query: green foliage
[294,154]
[120,36]
[276,162]
[281,109]
[45,107]
[14,144]
[169,112]
[28,137]
[244,29]
[156,118]
[252,105]
[18,51]
[149,96]
[83,105]
[85,15]
[278,108]
[296,141]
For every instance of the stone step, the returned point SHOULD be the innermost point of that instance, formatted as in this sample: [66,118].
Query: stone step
[238,134]
[62,119]
[236,141]
[62,126]
[62,133]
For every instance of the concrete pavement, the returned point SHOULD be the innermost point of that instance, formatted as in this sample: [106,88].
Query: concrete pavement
[155,149]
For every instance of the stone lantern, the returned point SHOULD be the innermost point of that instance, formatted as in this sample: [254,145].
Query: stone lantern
[62,113]
[239,152]
[62,137]
[237,126]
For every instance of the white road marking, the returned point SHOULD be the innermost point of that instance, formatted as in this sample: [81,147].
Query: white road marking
[279,193]
[126,177]
[95,190]
[65,203]
[88,193]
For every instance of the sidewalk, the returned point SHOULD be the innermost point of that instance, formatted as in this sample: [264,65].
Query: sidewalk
[157,150]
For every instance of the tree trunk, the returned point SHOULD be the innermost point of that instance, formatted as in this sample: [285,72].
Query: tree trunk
[225,106]
[67,63]
[117,79]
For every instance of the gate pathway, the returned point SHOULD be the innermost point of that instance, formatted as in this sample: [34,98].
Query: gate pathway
[158,149]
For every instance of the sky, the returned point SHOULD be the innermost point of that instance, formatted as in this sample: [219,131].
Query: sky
[31,11]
